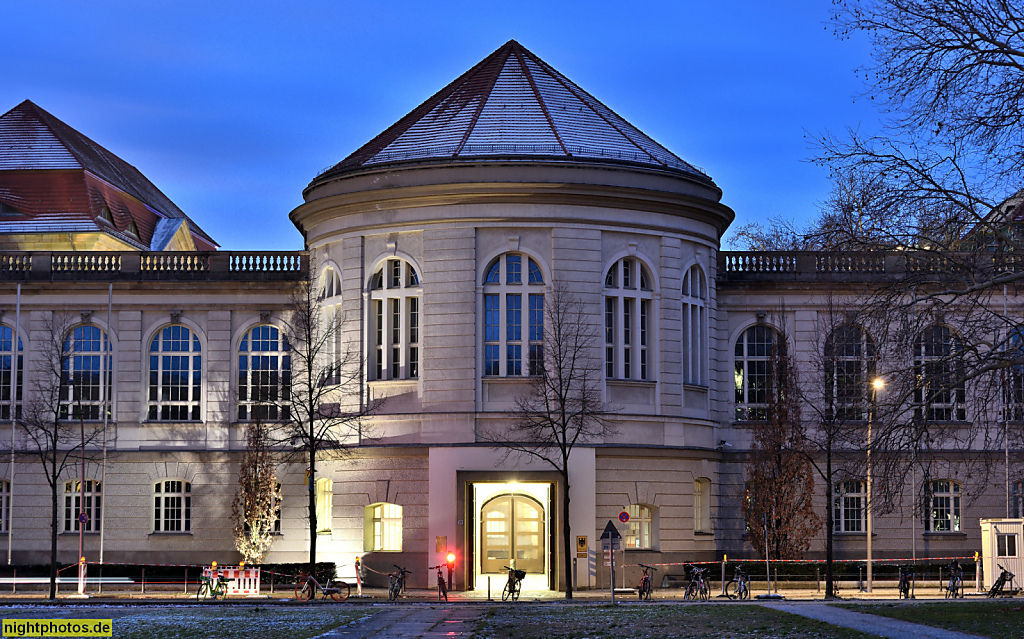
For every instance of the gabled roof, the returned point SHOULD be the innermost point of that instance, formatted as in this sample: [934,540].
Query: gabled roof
[33,140]
[514,105]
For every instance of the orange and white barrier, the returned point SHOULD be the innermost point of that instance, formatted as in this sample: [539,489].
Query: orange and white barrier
[241,581]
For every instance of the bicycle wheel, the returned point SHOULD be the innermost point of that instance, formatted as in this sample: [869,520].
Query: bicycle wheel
[220,592]
[744,590]
[517,590]
[704,591]
[442,589]
[507,591]
[304,591]
[394,588]
[732,589]
[643,592]
[203,592]
[691,592]
[950,589]
[339,590]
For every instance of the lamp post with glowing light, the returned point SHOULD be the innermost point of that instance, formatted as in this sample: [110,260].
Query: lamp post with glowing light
[877,384]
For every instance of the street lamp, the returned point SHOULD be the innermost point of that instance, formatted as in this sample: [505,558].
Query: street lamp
[877,384]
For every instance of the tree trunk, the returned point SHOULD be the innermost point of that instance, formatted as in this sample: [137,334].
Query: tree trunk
[829,526]
[53,536]
[312,508]
[566,533]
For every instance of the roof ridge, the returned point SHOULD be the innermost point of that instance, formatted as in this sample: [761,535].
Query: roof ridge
[540,98]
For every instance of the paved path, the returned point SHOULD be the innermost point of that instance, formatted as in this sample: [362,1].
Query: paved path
[409,622]
[871,624]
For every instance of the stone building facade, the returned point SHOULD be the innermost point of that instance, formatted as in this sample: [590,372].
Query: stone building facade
[434,247]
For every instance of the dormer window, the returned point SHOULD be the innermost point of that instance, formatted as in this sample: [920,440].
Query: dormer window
[6,210]
[132,230]
[106,216]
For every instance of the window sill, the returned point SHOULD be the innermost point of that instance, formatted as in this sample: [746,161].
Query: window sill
[696,387]
[170,534]
[382,550]
[157,422]
[944,533]
[850,533]
[640,550]
[703,533]
[87,533]
[641,383]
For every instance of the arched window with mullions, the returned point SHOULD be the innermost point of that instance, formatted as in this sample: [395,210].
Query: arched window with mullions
[628,320]
[695,327]
[849,369]
[10,368]
[175,375]
[513,316]
[395,321]
[754,371]
[86,375]
[1013,376]
[941,392]
[330,308]
[264,374]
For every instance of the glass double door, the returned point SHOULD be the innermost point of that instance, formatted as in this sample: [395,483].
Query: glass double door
[512,528]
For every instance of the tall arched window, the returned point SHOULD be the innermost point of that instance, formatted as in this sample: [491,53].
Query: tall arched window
[85,375]
[330,306]
[639,530]
[695,327]
[172,506]
[753,372]
[628,319]
[849,369]
[264,374]
[10,368]
[395,321]
[175,375]
[941,391]
[943,499]
[513,316]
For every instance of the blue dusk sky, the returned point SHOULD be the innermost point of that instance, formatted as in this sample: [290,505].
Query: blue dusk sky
[231,108]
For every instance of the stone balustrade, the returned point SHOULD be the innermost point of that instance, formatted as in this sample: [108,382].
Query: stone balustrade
[738,266]
[142,266]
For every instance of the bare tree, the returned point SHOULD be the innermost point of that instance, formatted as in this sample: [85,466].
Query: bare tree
[778,504]
[563,408]
[256,506]
[53,428]
[322,404]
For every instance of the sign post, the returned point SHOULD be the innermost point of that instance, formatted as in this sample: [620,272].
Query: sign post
[610,543]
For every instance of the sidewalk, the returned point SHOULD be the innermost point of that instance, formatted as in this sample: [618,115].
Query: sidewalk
[863,622]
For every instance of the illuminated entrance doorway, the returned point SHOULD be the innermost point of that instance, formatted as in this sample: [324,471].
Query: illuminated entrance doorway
[513,529]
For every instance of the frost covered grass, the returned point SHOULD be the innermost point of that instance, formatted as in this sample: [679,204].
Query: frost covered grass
[995,618]
[188,622]
[654,620]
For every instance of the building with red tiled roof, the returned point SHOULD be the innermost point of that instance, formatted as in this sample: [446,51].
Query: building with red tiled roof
[59,190]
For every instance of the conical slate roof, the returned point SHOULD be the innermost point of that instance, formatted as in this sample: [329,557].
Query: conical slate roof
[514,105]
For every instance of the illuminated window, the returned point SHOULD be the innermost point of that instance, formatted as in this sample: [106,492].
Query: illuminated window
[395,321]
[943,499]
[264,374]
[175,375]
[324,505]
[73,508]
[382,528]
[513,317]
[753,371]
[172,506]
[849,506]
[85,375]
[639,527]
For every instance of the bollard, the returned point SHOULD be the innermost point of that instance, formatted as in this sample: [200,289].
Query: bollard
[186,581]
[359,580]
[271,583]
[776,580]
[723,573]
[817,576]
[488,589]
[143,581]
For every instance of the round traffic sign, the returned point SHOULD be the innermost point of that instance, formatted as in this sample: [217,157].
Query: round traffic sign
[83,517]
[623,516]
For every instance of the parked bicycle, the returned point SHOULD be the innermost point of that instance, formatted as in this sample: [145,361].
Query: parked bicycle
[906,585]
[514,585]
[698,586]
[307,585]
[955,585]
[739,586]
[215,587]
[644,589]
[999,588]
[396,582]
[442,587]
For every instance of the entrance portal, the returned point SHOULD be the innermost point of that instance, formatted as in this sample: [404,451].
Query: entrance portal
[512,527]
